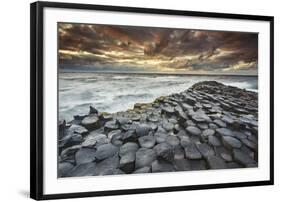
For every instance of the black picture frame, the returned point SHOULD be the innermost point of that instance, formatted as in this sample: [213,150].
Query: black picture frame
[36,98]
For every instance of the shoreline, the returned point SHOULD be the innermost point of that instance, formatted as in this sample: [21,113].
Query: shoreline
[208,126]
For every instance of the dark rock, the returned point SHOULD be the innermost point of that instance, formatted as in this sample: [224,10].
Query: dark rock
[123,120]
[227,120]
[105,117]
[215,162]
[143,170]
[168,110]
[147,141]
[231,142]
[153,118]
[185,141]
[250,144]
[110,126]
[206,133]
[224,154]
[168,126]
[86,169]
[93,110]
[142,130]
[189,123]
[85,155]
[203,126]
[191,152]
[64,168]
[127,162]
[77,129]
[220,123]
[182,165]
[105,151]
[198,164]
[193,130]
[205,149]
[144,157]
[178,153]
[173,141]
[214,141]
[70,140]
[224,132]
[161,166]
[164,151]
[233,165]
[160,137]
[69,152]
[213,126]
[129,136]
[91,122]
[242,157]
[129,147]
[200,117]
[108,166]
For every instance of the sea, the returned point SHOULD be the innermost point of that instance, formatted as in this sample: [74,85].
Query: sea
[111,92]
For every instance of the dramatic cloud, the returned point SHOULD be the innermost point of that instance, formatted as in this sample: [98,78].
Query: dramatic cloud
[127,48]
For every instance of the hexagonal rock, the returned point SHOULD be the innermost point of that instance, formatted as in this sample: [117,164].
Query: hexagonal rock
[191,152]
[142,130]
[127,162]
[220,123]
[168,126]
[110,126]
[143,170]
[160,137]
[144,157]
[91,122]
[105,151]
[85,169]
[178,153]
[123,120]
[215,162]
[206,133]
[205,149]
[64,168]
[231,142]
[164,151]
[198,164]
[147,141]
[129,147]
[214,141]
[224,154]
[85,155]
[242,158]
[193,130]
[200,117]
[168,110]
[173,140]
[107,166]
[161,166]
[182,165]
[253,146]
[224,132]
[77,129]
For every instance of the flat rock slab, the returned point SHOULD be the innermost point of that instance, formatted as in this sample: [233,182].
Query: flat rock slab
[127,162]
[107,166]
[224,132]
[242,158]
[214,141]
[161,166]
[182,165]
[164,151]
[205,149]
[85,155]
[191,152]
[127,148]
[160,137]
[105,151]
[91,122]
[147,141]
[86,169]
[220,123]
[173,140]
[198,164]
[143,170]
[64,168]
[193,130]
[216,162]
[142,130]
[110,126]
[144,157]
[224,154]
[231,142]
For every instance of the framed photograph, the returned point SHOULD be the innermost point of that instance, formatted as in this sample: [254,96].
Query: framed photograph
[134,100]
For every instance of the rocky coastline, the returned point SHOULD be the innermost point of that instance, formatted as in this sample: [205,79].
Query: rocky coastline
[208,126]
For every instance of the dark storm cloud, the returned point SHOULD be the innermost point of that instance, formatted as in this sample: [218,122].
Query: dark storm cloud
[157,49]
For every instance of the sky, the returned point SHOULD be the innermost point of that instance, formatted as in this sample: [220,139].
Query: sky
[151,49]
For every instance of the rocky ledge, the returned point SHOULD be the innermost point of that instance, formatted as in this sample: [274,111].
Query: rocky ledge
[209,126]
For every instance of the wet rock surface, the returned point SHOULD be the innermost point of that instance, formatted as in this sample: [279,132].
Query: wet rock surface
[208,126]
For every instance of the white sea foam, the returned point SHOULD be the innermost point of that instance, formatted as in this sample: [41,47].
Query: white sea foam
[112,93]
